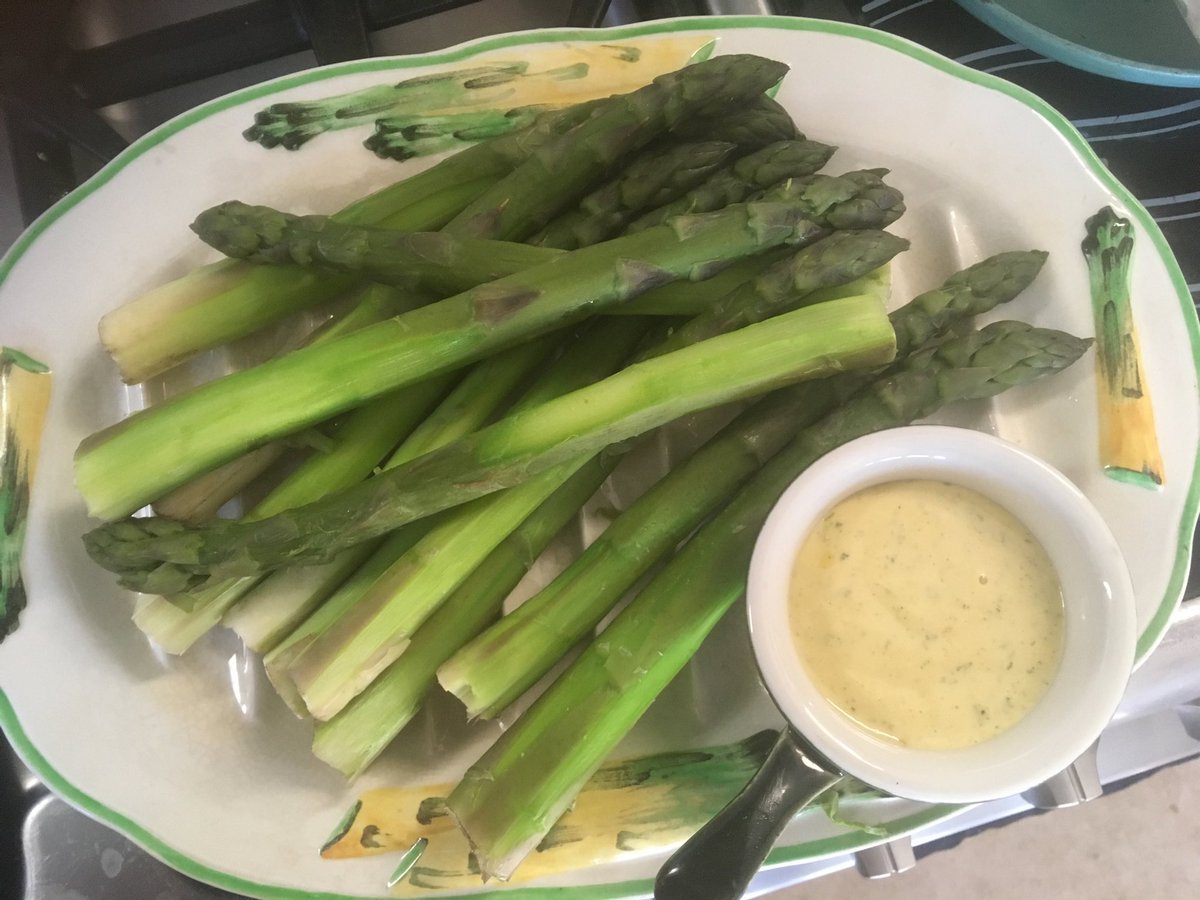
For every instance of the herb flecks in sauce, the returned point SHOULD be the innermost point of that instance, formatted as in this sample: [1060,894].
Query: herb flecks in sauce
[927,613]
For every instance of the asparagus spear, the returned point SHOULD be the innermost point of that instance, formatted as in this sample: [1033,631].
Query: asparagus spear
[353,738]
[685,300]
[752,125]
[658,176]
[407,259]
[127,465]
[510,798]
[338,666]
[807,343]
[750,174]
[561,170]
[222,301]
[834,260]
[288,596]
[499,665]
[200,498]
[378,621]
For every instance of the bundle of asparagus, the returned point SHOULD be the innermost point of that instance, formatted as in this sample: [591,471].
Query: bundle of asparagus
[552,294]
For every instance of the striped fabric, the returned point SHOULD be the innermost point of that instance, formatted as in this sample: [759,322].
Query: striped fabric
[1149,136]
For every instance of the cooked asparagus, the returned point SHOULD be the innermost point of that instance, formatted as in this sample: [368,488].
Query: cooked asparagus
[431,260]
[755,172]
[508,800]
[499,665]
[120,469]
[658,176]
[807,343]
[560,171]
[222,301]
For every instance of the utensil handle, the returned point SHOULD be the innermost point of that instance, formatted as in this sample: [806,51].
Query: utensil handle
[719,860]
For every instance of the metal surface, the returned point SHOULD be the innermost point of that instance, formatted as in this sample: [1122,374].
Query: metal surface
[886,860]
[1078,783]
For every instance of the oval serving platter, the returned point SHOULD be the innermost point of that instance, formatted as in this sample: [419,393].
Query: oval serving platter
[194,757]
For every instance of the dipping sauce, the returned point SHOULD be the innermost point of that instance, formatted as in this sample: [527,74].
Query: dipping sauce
[927,613]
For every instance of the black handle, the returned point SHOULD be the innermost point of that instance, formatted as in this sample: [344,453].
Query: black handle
[719,860]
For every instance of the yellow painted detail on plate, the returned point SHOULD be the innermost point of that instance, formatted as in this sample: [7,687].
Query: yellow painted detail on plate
[628,809]
[1129,448]
[24,399]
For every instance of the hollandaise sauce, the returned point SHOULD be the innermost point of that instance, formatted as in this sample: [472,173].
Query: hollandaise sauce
[927,613]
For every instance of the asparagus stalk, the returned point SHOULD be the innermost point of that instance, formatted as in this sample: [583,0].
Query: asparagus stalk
[511,797]
[856,200]
[561,170]
[351,740]
[120,469]
[1129,449]
[384,619]
[834,260]
[279,603]
[24,398]
[498,666]
[656,177]
[288,596]
[749,175]
[686,300]
[431,260]
[200,498]
[408,587]
[755,124]
[216,303]
[807,343]
[371,560]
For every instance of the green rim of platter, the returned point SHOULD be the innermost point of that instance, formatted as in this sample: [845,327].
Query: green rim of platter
[627,889]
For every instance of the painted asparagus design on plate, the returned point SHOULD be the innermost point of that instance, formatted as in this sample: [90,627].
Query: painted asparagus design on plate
[629,807]
[1129,450]
[24,396]
[445,111]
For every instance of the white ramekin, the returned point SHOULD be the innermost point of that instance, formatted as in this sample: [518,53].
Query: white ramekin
[1099,633]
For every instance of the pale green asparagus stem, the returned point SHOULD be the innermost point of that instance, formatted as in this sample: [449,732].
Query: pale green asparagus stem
[807,343]
[288,596]
[353,738]
[406,589]
[222,301]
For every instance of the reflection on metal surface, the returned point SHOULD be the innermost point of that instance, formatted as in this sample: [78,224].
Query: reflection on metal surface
[1078,783]
[69,855]
[885,860]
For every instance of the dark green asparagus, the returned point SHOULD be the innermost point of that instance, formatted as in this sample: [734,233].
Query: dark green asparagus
[760,122]
[405,137]
[562,170]
[751,174]
[431,260]
[658,176]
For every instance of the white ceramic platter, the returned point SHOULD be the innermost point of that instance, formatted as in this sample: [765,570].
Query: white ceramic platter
[219,782]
